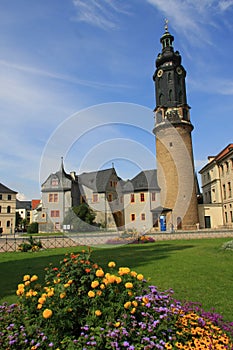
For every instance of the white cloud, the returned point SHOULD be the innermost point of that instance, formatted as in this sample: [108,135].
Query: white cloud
[100,14]
[191,17]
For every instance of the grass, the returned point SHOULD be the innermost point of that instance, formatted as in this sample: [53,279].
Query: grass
[197,270]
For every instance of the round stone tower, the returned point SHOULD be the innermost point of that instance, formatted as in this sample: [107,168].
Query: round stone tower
[174,152]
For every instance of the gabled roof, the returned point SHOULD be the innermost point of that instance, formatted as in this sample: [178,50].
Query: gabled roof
[146,180]
[4,189]
[35,203]
[97,180]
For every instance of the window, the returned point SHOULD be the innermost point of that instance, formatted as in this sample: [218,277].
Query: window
[132,198]
[8,209]
[231,215]
[222,170]
[0,208]
[9,197]
[95,198]
[54,182]
[143,216]
[132,217]
[111,184]
[142,197]
[227,167]
[110,197]
[0,196]
[226,219]
[153,197]
[224,191]
[43,215]
[229,189]
[8,223]
[53,197]
[55,213]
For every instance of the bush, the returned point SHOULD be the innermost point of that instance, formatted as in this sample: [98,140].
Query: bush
[33,228]
[31,245]
[79,305]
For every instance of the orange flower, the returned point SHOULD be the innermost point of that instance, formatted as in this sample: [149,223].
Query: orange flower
[94,284]
[127,304]
[87,270]
[98,313]
[34,278]
[111,264]
[99,273]
[62,295]
[47,313]
[91,294]
[129,285]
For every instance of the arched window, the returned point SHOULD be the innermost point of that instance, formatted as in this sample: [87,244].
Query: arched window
[8,223]
[8,209]
[170,95]
[161,99]
[169,77]
[179,223]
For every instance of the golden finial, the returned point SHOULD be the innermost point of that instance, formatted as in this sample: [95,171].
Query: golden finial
[166,25]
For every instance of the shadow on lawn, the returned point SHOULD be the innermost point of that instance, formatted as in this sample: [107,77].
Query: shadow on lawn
[12,272]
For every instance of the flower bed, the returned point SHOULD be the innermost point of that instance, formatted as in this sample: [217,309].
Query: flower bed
[79,305]
[132,239]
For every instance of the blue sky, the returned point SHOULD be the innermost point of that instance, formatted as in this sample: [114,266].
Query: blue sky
[60,60]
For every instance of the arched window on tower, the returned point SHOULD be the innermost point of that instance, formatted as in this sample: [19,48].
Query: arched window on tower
[169,77]
[170,95]
[161,99]
[179,223]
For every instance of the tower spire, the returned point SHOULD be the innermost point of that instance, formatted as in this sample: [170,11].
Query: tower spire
[166,25]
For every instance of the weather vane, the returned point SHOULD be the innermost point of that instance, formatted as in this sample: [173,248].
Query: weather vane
[166,25]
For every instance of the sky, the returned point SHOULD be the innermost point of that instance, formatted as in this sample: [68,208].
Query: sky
[76,82]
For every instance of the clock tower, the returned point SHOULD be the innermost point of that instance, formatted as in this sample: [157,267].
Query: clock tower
[174,152]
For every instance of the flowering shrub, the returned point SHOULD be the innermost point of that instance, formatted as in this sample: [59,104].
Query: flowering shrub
[32,245]
[80,305]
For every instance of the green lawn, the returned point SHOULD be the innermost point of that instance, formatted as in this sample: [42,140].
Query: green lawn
[197,270]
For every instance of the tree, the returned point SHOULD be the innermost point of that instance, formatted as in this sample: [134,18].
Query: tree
[80,218]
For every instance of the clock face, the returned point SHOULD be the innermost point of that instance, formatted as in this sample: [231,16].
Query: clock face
[179,70]
[160,73]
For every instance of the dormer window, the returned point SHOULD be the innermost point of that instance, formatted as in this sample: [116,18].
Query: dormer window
[54,182]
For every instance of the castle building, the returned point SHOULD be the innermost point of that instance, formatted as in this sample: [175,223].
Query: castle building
[7,209]
[217,186]
[174,152]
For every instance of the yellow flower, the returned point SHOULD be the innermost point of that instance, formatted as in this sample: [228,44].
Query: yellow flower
[111,278]
[140,277]
[133,310]
[39,306]
[135,303]
[21,286]
[20,291]
[56,281]
[94,284]
[123,271]
[98,313]
[62,295]
[70,281]
[129,285]
[168,346]
[127,304]
[111,264]
[91,294]
[99,273]
[130,293]
[34,278]
[66,285]
[27,283]
[41,300]
[133,273]
[118,279]
[99,292]
[47,313]
[26,278]
[117,324]
[102,286]
[145,300]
